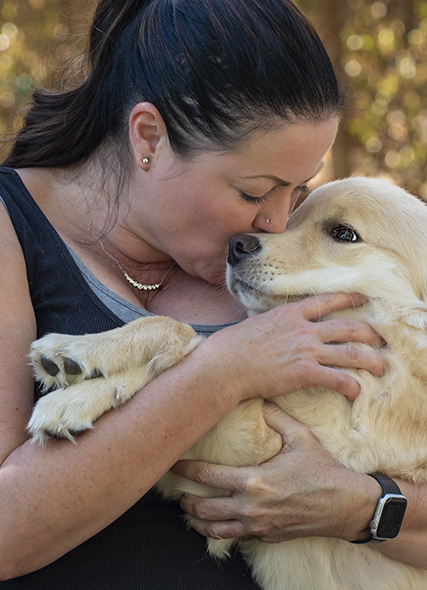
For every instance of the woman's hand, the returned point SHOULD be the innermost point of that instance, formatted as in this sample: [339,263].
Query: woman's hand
[301,492]
[288,348]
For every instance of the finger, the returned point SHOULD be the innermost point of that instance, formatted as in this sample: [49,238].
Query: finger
[348,330]
[349,355]
[210,509]
[280,421]
[317,306]
[217,476]
[336,379]
[220,529]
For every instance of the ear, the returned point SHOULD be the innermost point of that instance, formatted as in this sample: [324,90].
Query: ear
[147,131]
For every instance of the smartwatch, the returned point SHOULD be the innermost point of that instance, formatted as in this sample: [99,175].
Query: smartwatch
[389,512]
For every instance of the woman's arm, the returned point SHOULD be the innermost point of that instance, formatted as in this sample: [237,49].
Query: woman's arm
[410,546]
[301,492]
[53,499]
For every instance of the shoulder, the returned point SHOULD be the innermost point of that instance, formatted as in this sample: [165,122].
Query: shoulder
[17,330]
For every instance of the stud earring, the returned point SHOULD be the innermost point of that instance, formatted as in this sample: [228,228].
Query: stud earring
[145,160]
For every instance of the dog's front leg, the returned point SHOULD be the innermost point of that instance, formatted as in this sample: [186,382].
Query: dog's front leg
[70,411]
[61,360]
[117,365]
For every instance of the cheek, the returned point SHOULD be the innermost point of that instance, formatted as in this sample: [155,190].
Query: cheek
[218,224]
[209,218]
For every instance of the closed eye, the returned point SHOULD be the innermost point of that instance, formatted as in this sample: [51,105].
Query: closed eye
[298,190]
[253,200]
[345,233]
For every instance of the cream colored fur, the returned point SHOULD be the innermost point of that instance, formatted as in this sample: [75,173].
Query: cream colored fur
[384,430]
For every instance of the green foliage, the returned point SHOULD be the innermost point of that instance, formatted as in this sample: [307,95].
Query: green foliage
[37,39]
[381,53]
[385,56]
[379,48]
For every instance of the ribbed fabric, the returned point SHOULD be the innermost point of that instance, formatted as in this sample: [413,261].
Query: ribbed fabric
[148,547]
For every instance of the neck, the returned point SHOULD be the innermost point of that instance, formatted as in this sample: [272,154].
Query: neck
[186,298]
[96,236]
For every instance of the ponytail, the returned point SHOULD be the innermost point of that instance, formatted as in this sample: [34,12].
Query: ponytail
[63,128]
[216,70]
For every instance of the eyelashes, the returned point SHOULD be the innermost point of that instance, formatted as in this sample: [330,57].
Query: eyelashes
[302,190]
[299,190]
[253,200]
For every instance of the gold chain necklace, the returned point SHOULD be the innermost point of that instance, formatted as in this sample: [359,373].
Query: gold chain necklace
[133,282]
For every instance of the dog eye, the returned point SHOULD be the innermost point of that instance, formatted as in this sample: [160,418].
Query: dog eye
[344,233]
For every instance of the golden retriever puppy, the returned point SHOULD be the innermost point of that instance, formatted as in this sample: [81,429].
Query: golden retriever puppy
[356,235]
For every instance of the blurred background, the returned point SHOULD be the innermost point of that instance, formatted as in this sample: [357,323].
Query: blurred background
[379,50]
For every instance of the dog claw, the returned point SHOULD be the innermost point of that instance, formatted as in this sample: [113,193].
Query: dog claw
[49,366]
[119,393]
[63,432]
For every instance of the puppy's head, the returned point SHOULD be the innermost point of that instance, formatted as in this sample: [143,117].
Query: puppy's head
[355,235]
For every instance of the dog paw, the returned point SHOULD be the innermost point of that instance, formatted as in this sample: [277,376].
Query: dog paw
[67,412]
[56,416]
[59,361]
[63,413]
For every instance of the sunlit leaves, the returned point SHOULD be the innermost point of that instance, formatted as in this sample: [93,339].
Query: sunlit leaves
[37,38]
[380,51]
[382,55]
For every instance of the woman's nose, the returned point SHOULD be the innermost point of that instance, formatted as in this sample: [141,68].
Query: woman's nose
[274,215]
[273,222]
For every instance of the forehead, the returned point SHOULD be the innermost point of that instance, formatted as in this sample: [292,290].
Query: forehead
[290,152]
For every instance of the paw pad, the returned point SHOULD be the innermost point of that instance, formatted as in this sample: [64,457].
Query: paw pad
[49,366]
[72,367]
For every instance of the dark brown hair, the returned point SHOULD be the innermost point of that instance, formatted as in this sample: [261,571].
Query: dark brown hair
[215,69]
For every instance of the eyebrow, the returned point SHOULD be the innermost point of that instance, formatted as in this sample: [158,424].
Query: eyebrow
[281,182]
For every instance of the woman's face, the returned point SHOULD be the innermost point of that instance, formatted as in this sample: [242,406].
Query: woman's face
[190,210]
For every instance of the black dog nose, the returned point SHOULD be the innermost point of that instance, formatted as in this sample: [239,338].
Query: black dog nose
[242,246]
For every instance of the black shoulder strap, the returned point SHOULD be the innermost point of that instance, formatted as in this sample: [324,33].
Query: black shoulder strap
[62,300]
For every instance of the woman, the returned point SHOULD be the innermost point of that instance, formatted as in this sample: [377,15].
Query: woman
[197,120]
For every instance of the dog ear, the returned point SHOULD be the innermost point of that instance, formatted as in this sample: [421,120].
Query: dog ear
[410,241]
[422,260]
[408,230]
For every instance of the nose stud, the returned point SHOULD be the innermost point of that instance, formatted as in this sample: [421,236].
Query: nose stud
[267,220]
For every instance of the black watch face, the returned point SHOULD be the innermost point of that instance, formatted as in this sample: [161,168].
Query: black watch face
[391,518]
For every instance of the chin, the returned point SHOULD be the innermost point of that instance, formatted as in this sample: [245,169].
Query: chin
[213,274]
